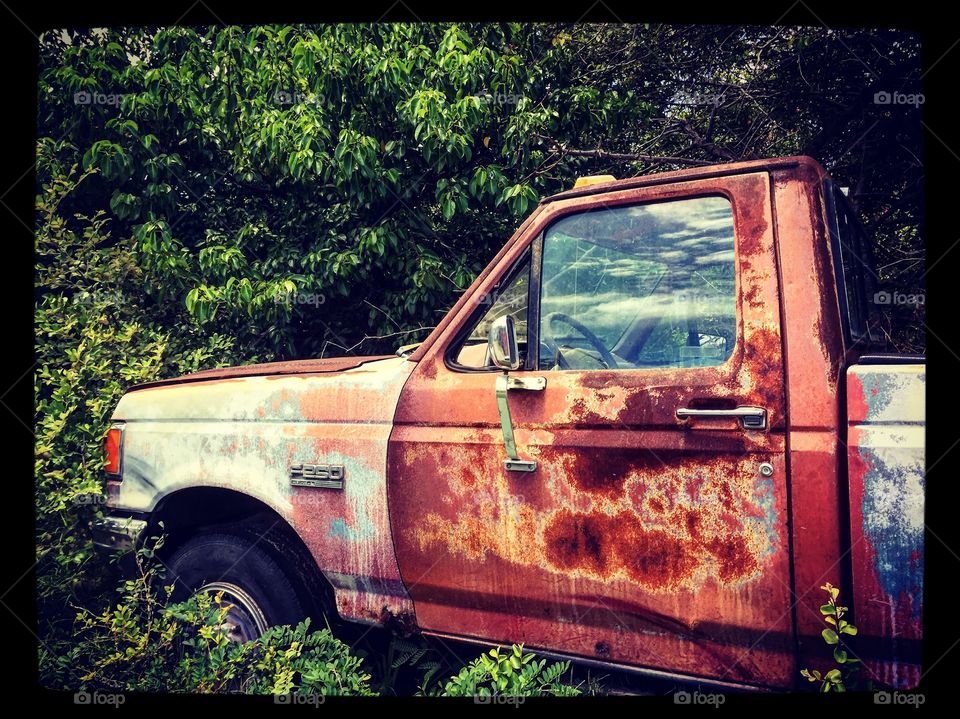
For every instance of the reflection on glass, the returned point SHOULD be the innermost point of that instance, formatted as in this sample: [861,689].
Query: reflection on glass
[511,300]
[641,286]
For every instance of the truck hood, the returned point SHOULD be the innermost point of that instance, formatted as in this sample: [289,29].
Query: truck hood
[308,366]
[354,389]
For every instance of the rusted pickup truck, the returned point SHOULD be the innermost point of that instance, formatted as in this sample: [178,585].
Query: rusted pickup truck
[653,427]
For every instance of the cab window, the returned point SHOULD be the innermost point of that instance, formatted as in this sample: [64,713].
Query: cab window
[510,298]
[643,286]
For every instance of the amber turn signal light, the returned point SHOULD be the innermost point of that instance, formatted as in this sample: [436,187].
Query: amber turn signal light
[113,448]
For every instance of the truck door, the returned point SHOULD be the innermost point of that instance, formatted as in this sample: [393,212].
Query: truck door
[643,518]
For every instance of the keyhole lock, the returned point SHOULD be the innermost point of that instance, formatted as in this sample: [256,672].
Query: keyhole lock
[766,469]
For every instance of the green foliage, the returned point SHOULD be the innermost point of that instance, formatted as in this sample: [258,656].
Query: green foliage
[511,673]
[413,655]
[247,164]
[380,166]
[845,675]
[143,643]
[96,335]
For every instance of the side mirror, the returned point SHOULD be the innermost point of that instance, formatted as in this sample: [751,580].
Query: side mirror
[502,342]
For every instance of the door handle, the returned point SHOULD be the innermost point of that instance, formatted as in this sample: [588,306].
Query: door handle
[750,417]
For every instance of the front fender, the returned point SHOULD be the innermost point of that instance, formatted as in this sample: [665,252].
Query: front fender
[245,434]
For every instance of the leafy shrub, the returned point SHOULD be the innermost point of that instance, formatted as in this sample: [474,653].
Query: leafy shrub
[845,675]
[95,336]
[145,644]
[511,673]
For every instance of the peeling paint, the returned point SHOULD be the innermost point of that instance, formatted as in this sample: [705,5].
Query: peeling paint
[242,432]
[886,473]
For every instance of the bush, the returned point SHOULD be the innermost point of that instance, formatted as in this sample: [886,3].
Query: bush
[95,336]
[511,673]
[145,644]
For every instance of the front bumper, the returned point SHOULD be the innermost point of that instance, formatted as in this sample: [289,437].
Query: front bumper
[113,534]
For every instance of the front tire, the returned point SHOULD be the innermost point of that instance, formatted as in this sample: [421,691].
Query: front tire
[260,592]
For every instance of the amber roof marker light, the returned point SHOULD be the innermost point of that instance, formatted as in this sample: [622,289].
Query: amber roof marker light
[593,180]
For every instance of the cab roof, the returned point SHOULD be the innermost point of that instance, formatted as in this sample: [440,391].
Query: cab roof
[693,173]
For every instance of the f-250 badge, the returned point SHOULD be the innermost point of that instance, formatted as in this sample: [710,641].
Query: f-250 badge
[325,476]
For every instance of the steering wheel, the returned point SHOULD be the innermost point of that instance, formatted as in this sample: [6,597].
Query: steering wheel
[546,336]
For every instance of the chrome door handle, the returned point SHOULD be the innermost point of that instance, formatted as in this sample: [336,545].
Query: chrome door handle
[750,417]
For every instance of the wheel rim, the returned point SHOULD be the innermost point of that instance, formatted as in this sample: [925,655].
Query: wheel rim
[244,621]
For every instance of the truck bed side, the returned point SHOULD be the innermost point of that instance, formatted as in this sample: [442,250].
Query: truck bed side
[885,450]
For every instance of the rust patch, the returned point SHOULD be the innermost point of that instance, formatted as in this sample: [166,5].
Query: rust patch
[734,560]
[402,624]
[761,371]
[665,521]
[750,213]
[598,470]
[752,297]
[602,544]
[826,326]
[430,369]
[581,541]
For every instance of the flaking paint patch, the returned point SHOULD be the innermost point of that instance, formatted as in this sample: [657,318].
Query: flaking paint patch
[664,526]
[606,403]
[893,505]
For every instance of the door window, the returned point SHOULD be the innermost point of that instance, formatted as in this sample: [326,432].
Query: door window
[643,286]
[511,300]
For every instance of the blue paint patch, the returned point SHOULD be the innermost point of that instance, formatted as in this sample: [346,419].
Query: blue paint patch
[892,523]
[764,497]
[340,530]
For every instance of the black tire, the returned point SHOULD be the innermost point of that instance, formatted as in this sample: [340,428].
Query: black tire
[262,593]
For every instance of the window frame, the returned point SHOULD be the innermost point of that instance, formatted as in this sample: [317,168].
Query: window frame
[534,253]
[857,323]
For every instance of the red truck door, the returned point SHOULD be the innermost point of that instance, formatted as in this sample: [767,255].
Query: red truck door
[651,527]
